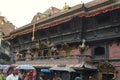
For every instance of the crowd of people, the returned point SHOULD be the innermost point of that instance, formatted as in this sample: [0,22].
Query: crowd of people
[17,74]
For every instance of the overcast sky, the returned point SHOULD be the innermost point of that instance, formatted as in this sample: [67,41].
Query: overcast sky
[21,12]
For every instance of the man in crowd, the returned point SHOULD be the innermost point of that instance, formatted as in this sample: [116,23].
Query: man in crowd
[13,75]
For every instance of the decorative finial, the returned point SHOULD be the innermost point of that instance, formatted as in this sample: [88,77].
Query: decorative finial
[50,11]
[66,7]
[83,6]
[82,2]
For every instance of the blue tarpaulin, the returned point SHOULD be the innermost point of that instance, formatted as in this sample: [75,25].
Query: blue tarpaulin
[45,70]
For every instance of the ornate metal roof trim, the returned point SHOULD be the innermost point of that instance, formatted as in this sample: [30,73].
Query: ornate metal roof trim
[100,11]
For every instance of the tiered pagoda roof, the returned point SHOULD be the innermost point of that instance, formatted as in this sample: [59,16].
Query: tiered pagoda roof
[57,17]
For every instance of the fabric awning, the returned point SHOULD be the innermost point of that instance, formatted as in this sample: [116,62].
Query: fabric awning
[84,65]
[62,68]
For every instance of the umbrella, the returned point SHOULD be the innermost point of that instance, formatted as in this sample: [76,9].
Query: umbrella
[45,70]
[3,67]
[25,67]
[62,68]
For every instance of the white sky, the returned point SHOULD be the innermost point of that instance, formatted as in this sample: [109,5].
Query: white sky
[21,12]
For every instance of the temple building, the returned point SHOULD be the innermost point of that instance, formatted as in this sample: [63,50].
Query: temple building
[85,37]
[6,28]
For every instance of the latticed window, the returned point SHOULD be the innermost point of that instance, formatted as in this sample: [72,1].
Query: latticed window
[52,30]
[99,53]
[65,26]
[116,16]
[103,18]
[42,33]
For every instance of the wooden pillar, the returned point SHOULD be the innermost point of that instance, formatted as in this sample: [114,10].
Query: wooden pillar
[99,75]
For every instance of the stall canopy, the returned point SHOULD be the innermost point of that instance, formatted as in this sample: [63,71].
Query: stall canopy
[62,68]
[84,65]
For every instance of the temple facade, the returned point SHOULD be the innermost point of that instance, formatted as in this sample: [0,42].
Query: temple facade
[6,27]
[83,36]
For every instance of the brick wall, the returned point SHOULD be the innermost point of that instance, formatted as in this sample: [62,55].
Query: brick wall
[77,51]
[49,61]
[88,51]
[114,51]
